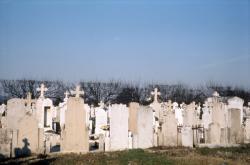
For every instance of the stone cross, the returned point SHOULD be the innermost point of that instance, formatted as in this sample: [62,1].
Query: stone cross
[66,94]
[78,91]
[155,93]
[42,89]
[169,105]
[216,94]
[101,104]
[28,97]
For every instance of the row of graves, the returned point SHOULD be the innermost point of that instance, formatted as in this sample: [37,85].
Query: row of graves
[36,126]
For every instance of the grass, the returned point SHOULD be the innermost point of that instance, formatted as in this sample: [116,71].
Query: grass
[154,156]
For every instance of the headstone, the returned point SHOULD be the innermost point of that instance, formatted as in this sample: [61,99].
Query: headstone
[5,143]
[29,137]
[16,110]
[235,127]
[190,115]
[178,113]
[43,113]
[206,116]
[2,109]
[118,127]
[75,135]
[101,120]
[62,109]
[133,117]
[156,105]
[144,136]
[214,133]
[168,133]
[101,142]
[236,103]
[247,130]
[187,136]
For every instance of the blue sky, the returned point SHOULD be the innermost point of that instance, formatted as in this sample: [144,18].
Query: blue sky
[190,41]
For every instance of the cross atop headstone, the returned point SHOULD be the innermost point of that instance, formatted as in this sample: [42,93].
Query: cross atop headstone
[42,89]
[216,94]
[78,91]
[101,104]
[66,95]
[155,93]
[169,105]
[28,98]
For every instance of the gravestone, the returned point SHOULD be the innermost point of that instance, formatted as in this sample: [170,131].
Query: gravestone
[235,126]
[190,115]
[101,143]
[2,109]
[133,117]
[168,133]
[43,113]
[206,116]
[157,108]
[43,110]
[236,103]
[75,135]
[214,133]
[178,113]
[156,105]
[62,109]
[29,138]
[247,130]
[5,143]
[187,136]
[16,110]
[118,127]
[101,120]
[143,133]
[219,114]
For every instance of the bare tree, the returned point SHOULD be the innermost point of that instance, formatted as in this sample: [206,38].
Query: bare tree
[100,91]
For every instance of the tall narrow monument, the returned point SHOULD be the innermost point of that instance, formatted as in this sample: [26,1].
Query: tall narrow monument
[75,134]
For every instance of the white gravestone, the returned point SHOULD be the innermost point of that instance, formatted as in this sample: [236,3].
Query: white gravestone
[75,136]
[144,134]
[101,120]
[118,127]
[187,136]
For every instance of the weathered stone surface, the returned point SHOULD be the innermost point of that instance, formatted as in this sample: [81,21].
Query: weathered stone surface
[190,117]
[5,143]
[133,117]
[75,135]
[247,131]
[44,113]
[101,120]
[29,137]
[168,131]
[235,126]
[214,133]
[16,110]
[187,136]
[118,127]
[143,137]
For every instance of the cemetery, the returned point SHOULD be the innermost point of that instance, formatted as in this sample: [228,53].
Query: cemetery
[35,126]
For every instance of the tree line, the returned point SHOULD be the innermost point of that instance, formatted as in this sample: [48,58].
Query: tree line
[119,92]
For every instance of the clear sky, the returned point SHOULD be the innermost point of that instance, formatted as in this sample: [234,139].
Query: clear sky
[168,41]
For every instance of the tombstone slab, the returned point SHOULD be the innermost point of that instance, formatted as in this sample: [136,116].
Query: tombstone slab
[75,135]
